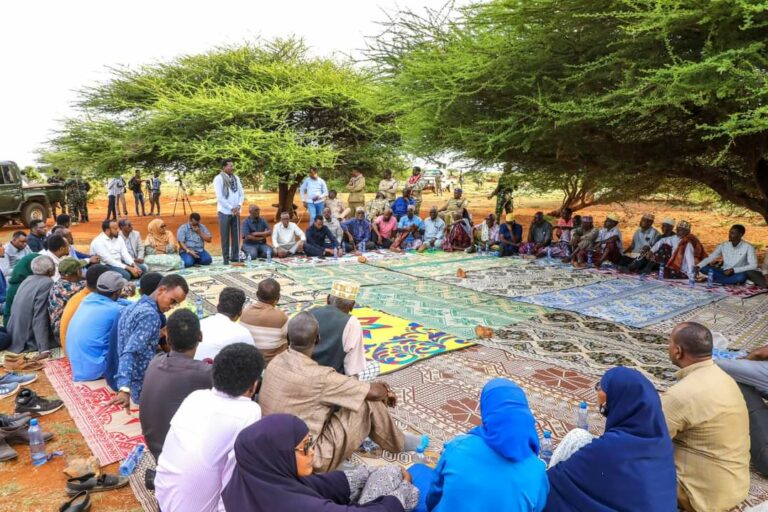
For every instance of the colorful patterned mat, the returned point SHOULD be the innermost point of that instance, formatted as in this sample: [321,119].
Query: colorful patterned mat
[521,280]
[308,261]
[394,342]
[323,277]
[628,301]
[447,308]
[108,430]
[744,322]
[433,266]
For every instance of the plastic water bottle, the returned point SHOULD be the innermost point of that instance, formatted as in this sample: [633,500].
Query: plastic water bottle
[582,421]
[199,307]
[549,254]
[661,272]
[710,278]
[336,253]
[420,457]
[36,444]
[691,280]
[269,255]
[241,255]
[589,258]
[132,460]
[361,247]
[546,447]
[248,260]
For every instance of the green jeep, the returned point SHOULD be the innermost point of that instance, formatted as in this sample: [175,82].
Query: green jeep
[25,202]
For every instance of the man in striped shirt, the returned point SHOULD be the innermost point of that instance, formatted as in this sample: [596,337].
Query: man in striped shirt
[266,323]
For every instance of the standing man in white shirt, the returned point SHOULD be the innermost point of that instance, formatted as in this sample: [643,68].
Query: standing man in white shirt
[198,454]
[223,328]
[284,237]
[738,257]
[121,185]
[111,249]
[313,192]
[113,187]
[229,200]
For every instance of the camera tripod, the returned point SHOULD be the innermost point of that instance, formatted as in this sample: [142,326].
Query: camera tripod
[181,194]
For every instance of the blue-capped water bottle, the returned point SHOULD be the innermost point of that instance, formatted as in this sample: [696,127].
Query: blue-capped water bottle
[132,460]
[661,272]
[549,254]
[710,278]
[248,260]
[691,280]
[420,456]
[269,254]
[589,258]
[199,307]
[582,420]
[36,443]
[546,448]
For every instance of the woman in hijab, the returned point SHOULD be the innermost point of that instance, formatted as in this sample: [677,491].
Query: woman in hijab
[631,467]
[493,467]
[21,271]
[274,472]
[162,251]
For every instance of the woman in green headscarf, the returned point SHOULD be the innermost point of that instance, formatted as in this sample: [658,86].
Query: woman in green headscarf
[21,271]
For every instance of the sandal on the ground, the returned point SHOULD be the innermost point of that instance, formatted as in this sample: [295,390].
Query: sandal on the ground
[81,502]
[23,365]
[93,483]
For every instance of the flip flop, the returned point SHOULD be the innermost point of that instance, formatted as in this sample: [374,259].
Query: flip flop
[93,483]
[81,502]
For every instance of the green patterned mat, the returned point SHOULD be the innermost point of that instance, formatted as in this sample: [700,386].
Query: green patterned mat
[448,308]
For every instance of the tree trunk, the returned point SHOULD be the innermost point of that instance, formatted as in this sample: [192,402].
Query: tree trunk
[285,194]
[577,194]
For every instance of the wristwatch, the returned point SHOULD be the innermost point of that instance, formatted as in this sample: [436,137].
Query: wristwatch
[124,389]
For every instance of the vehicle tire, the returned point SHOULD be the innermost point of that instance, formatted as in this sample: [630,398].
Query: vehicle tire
[33,210]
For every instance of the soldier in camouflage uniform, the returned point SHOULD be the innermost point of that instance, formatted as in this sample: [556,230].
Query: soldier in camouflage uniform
[416,183]
[85,187]
[504,193]
[72,189]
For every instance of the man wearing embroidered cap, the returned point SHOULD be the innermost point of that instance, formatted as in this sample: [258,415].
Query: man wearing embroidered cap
[510,236]
[583,240]
[341,335]
[685,255]
[608,246]
[649,260]
[644,238]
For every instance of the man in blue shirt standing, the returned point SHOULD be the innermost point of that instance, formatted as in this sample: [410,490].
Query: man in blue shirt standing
[313,192]
[88,331]
[192,237]
[138,336]
[255,233]
[358,232]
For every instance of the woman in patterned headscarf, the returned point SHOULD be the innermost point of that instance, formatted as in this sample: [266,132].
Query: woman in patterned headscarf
[162,251]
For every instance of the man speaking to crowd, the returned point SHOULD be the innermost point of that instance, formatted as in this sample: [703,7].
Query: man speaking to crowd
[229,200]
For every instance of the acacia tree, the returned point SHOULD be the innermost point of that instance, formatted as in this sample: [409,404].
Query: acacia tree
[273,108]
[619,92]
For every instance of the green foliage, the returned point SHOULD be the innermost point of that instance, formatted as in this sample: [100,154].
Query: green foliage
[617,93]
[272,107]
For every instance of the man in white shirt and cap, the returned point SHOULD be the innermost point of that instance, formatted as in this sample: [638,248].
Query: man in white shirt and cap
[644,238]
[608,246]
[229,200]
[341,335]
[287,238]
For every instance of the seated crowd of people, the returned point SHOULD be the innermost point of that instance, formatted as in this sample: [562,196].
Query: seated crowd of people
[249,409]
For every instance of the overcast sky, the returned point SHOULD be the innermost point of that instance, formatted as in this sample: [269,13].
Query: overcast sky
[51,48]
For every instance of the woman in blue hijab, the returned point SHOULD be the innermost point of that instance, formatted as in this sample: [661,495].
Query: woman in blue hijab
[631,467]
[494,467]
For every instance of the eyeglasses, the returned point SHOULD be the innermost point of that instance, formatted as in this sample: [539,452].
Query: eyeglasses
[307,446]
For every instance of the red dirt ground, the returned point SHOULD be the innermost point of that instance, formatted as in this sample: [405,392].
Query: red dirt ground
[23,487]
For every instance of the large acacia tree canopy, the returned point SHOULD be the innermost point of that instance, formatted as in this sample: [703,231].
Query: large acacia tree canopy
[632,91]
[272,107]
